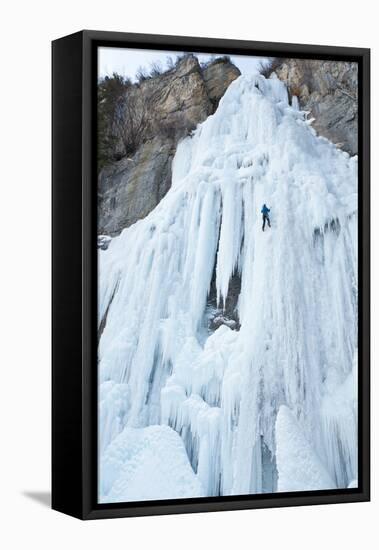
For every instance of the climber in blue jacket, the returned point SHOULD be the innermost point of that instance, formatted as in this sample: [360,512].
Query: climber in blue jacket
[265,216]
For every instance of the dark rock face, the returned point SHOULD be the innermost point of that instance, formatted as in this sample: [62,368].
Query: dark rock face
[329,90]
[227,313]
[131,188]
[182,98]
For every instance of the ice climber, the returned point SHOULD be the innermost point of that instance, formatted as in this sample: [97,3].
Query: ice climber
[265,216]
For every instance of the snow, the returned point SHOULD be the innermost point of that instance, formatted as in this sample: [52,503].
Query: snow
[221,391]
[299,467]
[147,464]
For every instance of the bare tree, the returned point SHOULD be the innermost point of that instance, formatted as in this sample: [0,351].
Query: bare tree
[142,74]
[109,92]
[170,63]
[156,69]
[133,118]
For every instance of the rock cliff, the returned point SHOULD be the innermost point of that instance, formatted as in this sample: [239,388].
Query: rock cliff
[175,101]
[328,89]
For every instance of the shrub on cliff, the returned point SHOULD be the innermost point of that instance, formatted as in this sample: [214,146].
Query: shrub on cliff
[110,91]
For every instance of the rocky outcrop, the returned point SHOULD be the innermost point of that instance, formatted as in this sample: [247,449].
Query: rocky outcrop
[329,91]
[178,100]
[131,188]
[226,312]
[217,77]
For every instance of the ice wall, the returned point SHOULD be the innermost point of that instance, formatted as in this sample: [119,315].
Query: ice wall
[221,391]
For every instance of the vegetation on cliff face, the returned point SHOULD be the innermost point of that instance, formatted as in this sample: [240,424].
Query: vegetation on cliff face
[110,91]
[128,113]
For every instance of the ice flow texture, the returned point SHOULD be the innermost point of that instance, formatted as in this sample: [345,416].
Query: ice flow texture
[269,407]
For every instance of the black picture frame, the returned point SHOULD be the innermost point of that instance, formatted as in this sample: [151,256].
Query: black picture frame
[74,269]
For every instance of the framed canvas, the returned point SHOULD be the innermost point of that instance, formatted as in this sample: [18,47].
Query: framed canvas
[210,275]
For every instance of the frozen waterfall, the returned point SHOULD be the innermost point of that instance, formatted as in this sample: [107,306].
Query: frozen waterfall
[185,410]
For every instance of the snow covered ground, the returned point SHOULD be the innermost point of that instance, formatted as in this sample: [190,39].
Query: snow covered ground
[145,464]
[184,411]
